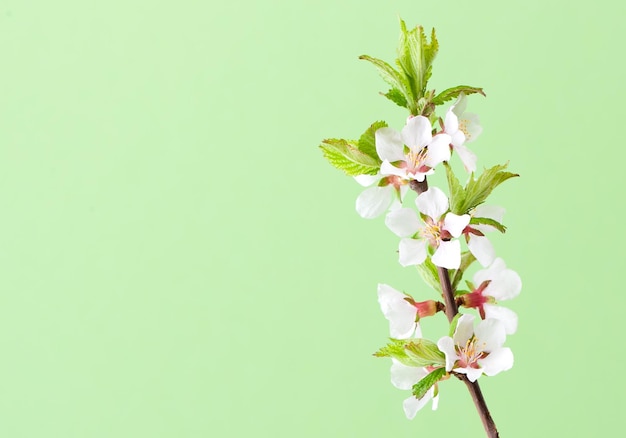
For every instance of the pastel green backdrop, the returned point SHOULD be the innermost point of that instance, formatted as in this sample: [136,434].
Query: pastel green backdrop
[177,260]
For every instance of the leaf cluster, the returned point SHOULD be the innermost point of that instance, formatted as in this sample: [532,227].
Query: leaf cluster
[409,79]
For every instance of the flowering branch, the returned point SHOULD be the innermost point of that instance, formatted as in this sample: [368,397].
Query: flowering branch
[389,163]
[451,310]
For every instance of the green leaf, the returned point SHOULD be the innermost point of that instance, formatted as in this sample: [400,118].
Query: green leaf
[415,57]
[421,388]
[393,349]
[345,155]
[457,192]
[428,272]
[452,93]
[467,258]
[393,77]
[453,324]
[397,97]
[488,221]
[424,353]
[367,142]
[477,190]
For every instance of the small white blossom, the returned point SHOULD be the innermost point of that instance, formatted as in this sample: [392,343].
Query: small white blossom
[462,127]
[400,313]
[476,352]
[437,230]
[423,152]
[494,284]
[477,242]
[404,377]
[386,194]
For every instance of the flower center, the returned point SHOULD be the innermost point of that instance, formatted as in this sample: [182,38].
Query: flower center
[431,232]
[463,128]
[470,353]
[415,161]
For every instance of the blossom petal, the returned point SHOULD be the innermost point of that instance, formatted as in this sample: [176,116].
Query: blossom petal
[451,122]
[482,249]
[446,345]
[490,211]
[468,158]
[435,401]
[373,201]
[459,106]
[433,203]
[464,329]
[491,272]
[503,314]
[472,373]
[386,168]
[411,405]
[389,145]
[367,180]
[455,224]
[490,335]
[448,255]
[400,314]
[412,252]
[417,133]
[472,126]
[438,150]
[504,286]
[497,361]
[403,222]
[404,377]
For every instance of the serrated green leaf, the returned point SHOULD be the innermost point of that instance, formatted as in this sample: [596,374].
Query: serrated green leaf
[424,353]
[457,192]
[467,258]
[452,93]
[393,349]
[430,51]
[488,221]
[428,272]
[397,97]
[367,142]
[415,57]
[477,190]
[421,388]
[393,77]
[345,155]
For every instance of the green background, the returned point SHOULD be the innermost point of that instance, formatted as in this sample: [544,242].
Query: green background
[177,259]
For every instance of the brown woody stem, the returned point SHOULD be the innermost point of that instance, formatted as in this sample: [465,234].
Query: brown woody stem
[451,311]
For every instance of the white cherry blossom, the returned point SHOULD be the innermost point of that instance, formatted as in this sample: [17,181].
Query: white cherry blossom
[404,377]
[477,242]
[479,351]
[388,193]
[403,312]
[494,284]
[462,127]
[413,153]
[438,230]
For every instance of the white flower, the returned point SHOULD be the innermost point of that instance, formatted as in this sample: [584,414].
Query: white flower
[403,312]
[436,231]
[496,283]
[423,154]
[387,193]
[477,243]
[400,313]
[404,377]
[479,351]
[462,128]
